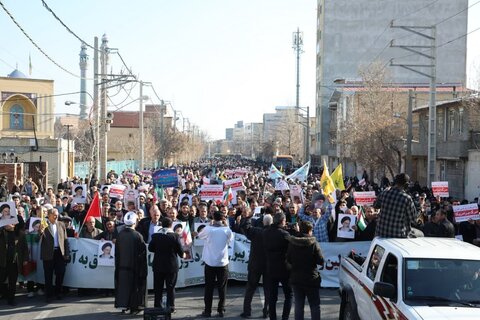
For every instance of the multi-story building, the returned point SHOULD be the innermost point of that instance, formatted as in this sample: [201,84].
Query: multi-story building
[27,130]
[353,34]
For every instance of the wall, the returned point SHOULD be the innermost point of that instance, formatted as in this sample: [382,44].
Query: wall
[472,175]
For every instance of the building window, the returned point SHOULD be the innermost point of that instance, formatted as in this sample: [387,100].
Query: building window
[451,121]
[460,120]
[16,117]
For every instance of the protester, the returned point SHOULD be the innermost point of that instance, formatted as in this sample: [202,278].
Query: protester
[304,256]
[275,240]
[55,252]
[397,210]
[13,256]
[257,264]
[166,246]
[217,237]
[130,267]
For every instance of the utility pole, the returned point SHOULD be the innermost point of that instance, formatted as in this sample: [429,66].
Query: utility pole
[298,48]
[96,114]
[142,138]
[408,157]
[162,131]
[432,107]
[69,163]
[103,109]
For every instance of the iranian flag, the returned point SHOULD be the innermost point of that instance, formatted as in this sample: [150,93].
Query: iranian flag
[187,235]
[227,199]
[361,224]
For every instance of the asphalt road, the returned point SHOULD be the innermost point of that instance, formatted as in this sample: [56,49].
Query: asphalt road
[189,303]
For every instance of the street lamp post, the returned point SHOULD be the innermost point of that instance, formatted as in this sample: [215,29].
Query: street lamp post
[68,150]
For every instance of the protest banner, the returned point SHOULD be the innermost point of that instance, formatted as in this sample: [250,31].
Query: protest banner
[440,189]
[146,173]
[84,270]
[364,198]
[211,192]
[235,184]
[466,212]
[116,191]
[165,178]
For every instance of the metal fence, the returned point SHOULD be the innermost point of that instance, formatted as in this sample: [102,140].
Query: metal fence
[82,169]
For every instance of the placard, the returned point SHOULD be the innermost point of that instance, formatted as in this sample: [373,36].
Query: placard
[199,226]
[165,178]
[365,198]
[466,212]
[345,224]
[8,213]
[296,193]
[440,189]
[211,192]
[79,193]
[235,184]
[116,191]
[106,254]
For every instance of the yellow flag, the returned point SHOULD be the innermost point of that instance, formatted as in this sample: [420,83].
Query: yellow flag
[326,181]
[337,177]
[43,220]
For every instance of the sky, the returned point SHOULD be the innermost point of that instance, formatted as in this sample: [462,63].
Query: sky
[215,61]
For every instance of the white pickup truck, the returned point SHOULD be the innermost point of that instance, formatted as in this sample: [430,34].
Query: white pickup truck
[422,278]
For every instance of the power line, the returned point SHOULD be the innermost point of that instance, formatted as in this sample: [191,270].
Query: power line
[35,44]
[66,27]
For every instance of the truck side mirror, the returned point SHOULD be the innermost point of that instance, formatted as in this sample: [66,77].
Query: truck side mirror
[385,289]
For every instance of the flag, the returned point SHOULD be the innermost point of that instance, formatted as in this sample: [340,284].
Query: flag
[301,173]
[228,197]
[274,173]
[29,64]
[337,177]
[222,176]
[326,182]
[94,210]
[76,227]
[186,235]
[43,220]
[281,168]
[361,220]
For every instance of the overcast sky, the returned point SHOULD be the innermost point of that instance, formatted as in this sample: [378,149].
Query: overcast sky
[217,61]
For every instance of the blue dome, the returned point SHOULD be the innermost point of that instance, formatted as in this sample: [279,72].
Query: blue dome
[17,74]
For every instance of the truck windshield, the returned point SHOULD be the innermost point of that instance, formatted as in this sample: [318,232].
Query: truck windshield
[442,282]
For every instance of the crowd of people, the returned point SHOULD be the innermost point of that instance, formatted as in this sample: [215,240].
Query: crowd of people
[286,231]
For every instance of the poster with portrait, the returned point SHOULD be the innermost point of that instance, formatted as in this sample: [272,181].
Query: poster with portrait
[34,225]
[8,213]
[345,224]
[130,195]
[105,189]
[106,253]
[185,197]
[198,228]
[185,238]
[79,193]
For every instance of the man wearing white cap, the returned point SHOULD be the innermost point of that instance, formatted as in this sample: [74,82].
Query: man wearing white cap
[130,267]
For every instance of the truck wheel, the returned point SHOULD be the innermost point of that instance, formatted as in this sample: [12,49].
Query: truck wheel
[346,310]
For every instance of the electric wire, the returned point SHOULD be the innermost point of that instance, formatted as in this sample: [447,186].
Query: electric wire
[35,44]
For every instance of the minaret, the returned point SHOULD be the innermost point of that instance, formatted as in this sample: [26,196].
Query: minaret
[83,81]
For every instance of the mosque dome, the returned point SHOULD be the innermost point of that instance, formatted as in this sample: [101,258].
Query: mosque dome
[17,74]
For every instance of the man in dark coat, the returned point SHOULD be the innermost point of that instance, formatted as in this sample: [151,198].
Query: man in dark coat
[275,239]
[13,254]
[166,247]
[146,226]
[257,264]
[130,267]
[304,256]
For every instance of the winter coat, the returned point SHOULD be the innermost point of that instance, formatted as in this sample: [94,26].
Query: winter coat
[304,256]
[275,241]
